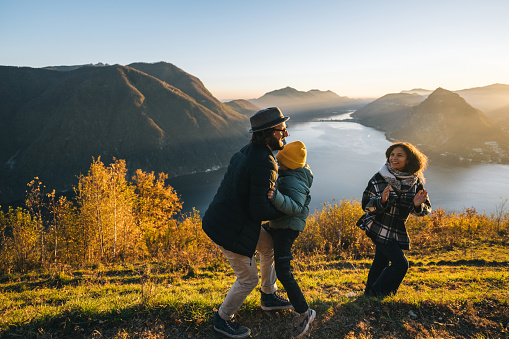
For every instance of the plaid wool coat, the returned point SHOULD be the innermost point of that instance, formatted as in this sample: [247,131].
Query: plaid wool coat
[386,222]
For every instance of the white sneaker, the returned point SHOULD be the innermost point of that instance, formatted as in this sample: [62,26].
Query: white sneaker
[301,323]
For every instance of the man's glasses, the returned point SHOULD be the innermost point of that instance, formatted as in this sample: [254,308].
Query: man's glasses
[283,131]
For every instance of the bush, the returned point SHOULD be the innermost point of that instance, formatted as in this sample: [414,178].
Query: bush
[333,230]
[445,231]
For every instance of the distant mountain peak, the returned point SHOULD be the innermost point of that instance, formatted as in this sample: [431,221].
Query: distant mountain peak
[283,91]
[442,123]
[419,91]
[441,90]
[313,101]
[442,97]
[74,67]
[446,123]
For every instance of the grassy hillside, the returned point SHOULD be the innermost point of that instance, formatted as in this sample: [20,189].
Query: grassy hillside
[119,263]
[457,286]
[452,294]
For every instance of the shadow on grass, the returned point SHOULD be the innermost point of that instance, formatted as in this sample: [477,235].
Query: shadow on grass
[356,317]
[469,262]
[79,323]
[369,317]
[62,281]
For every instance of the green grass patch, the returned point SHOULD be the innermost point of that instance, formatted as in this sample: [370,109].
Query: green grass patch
[450,295]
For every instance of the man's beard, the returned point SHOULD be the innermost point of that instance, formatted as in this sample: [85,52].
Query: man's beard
[275,144]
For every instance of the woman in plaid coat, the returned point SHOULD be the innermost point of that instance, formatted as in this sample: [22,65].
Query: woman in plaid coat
[394,192]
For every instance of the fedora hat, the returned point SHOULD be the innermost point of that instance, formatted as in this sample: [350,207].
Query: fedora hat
[266,118]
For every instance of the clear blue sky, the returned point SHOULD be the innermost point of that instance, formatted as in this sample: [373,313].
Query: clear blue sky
[243,49]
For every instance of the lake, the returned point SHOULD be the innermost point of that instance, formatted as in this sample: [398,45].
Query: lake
[344,155]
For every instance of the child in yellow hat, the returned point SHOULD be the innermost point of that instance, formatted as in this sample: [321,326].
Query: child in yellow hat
[291,195]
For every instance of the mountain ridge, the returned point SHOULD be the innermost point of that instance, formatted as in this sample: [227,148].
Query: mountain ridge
[160,118]
[313,103]
[66,118]
[244,107]
[443,124]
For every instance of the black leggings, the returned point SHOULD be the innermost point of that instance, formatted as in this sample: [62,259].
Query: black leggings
[384,279]
[283,242]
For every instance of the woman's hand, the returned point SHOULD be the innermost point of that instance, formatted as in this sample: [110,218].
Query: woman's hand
[420,197]
[270,192]
[385,193]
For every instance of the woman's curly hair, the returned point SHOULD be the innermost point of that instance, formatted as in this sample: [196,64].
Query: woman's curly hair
[417,161]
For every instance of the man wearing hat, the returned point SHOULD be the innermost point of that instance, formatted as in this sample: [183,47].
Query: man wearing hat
[234,217]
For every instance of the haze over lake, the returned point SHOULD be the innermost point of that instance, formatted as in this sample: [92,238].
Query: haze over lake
[344,155]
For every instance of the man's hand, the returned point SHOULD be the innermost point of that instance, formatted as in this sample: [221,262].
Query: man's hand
[270,192]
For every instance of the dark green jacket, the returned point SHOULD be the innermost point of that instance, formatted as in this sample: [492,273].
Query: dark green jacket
[234,217]
[292,198]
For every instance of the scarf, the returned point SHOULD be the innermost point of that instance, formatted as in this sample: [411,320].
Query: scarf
[400,181]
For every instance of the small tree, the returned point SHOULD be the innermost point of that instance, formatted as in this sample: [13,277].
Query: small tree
[35,204]
[156,206]
[105,200]
[64,233]
[19,246]
[91,193]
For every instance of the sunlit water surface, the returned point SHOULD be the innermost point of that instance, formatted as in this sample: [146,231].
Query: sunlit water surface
[343,156]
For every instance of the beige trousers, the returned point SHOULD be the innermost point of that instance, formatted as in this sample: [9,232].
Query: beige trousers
[246,272]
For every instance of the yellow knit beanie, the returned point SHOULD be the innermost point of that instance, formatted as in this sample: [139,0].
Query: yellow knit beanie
[293,155]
